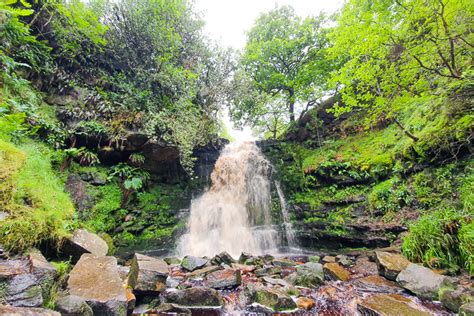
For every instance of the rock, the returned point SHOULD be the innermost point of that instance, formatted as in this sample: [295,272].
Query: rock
[223,279]
[72,305]
[336,272]
[273,281]
[44,271]
[390,264]
[421,281]
[202,272]
[221,258]
[10,268]
[173,309]
[123,272]
[467,309]
[283,263]
[376,283]
[315,259]
[23,290]
[363,266]
[131,299]
[243,267]
[172,260]
[173,282]
[329,259]
[196,296]
[269,297]
[453,298]
[96,279]
[269,270]
[389,304]
[147,274]
[344,260]
[25,311]
[305,303]
[191,263]
[77,189]
[309,275]
[85,242]
[244,256]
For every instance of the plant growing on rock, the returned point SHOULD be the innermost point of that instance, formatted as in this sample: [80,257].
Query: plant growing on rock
[131,178]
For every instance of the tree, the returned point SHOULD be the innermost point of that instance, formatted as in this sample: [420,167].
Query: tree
[284,62]
[396,52]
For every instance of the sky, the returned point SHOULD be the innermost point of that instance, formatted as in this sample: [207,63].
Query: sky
[228,20]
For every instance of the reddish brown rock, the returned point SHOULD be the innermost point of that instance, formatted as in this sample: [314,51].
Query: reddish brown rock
[148,274]
[390,304]
[390,264]
[305,303]
[336,271]
[223,279]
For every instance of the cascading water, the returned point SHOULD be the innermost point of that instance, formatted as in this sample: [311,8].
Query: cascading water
[234,214]
[289,232]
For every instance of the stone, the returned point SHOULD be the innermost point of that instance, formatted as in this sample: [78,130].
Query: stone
[147,274]
[389,304]
[44,271]
[336,272]
[195,296]
[329,259]
[390,264]
[244,256]
[421,281]
[283,263]
[10,268]
[364,267]
[221,258]
[309,275]
[23,290]
[191,263]
[273,281]
[315,259]
[269,270]
[376,283]
[223,279]
[202,272]
[344,260]
[305,303]
[96,279]
[243,267]
[123,272]
[270,297]
[172,260]
[173,309]
[85,242]
[72,305]
[26,311]
[453,298]
[467,309]
[173,282]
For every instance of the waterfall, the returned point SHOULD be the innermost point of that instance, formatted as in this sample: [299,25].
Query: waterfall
[233,215]
[289,232]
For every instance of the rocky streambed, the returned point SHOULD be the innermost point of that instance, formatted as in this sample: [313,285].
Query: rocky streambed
[359,283]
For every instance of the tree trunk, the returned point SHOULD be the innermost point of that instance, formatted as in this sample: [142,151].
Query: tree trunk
[407,132]
[291,105]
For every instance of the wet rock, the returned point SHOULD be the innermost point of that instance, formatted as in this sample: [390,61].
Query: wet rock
[453,298]
[363,266]
[283,263]
[389,304]
[270,297]
[172,260]
[467,309]
[336,272]
[85,242]
[329,259]
[174,309]
[72,305]
[25,311]
[195,296]
[222,258]
[421,281]
[376,283]
[202,272]
[10,268]
[96,279]
[274,281]
[191,263]
[309,275]
[243,267]
[123,272]
[173,282]
[223,279]
[305,303]
[268,270]
[23,290]
[244,256]
[344,260]
[147,274]
[390,264]
[44,271]
[315,259]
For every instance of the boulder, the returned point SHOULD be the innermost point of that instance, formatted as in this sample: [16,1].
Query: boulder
[147,274]
[283,263]
[454,297]
[173,309]
[172,260]
[223,279]
[344,260]
[85,242]
[10,268]
[202,272]
[195,297]
[26,311]
[363,266]
[329,259]
[268,270]
[336,272]
[191,263]
[390,264]
[44,271]
[273,281]
[305,303]
[389,304]
[222,258]
[96,279]
[467,309]
[376,283]
[421,281]
[309,275]
[270,297]
[72,305]
[173,282]
[243,267]
[23,290]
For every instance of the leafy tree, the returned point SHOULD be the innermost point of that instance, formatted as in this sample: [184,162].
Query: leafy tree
[284,63]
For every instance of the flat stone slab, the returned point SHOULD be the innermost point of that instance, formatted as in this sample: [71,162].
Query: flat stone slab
[222,279]
[390,304]
[26,311]
[336,272]
[390,264]
[194,297]
[85,242]
[191,263]
[148,274]
[96,279]
[376,283]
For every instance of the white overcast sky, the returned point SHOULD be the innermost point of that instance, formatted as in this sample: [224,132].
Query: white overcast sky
[228,20]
